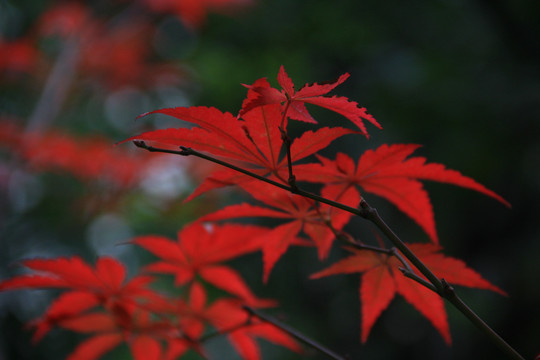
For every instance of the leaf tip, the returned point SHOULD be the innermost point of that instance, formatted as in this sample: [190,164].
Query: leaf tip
[143,115]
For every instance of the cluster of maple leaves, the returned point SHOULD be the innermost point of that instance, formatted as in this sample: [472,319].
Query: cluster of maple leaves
[86,158]
[106,46]
[100,301]
[114,52]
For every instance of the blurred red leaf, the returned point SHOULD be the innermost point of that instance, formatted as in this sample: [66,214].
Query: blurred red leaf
[141,334]
[18,56]
[87,158]
[242,329]
[64,19]
[118,56]
[105,285]
[193,12]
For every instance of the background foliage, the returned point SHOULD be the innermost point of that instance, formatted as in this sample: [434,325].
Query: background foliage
[459,77]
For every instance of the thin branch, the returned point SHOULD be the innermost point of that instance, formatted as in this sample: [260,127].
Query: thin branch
[294,333]
[454,299]
[188,151]
[287,141]
[56,88]
[372,215]
[411,275]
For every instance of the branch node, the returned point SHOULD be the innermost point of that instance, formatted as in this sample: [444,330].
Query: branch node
[292,184]
[366,211]
[185,151]
[140,144]
[447,289]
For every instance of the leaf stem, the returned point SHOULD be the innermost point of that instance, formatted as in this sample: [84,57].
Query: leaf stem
[294,333]
[57,86]
[287,141]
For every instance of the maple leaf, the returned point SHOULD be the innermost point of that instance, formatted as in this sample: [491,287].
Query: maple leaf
[86,157]
[382,279]
[105,285]
[114,54]
[64,19]
[242,329]
[186,321]
[18,56]
[389,173]
[227,316]
[311,94]
[193,12]
[109,331]
[303,215]
[118,56]
[199,250]
[253,141]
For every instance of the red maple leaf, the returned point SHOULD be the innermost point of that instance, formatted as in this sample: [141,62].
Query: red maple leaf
[193,12]
[303,215]
[18,56]
[199,251]
[388,172]
[228,317]
[105,285]
[311,94]
[110,330]
[180,325]
[382,279]
[118,56]
[114,53]
[254,142]
[65,19]
[87,157]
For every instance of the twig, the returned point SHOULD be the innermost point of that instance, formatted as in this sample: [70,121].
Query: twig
[287,141]
[188,151]
[56,88]
[372,215]
[294,333]
[454,299]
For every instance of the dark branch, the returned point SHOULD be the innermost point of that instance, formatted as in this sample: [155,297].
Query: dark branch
[372,215]
[287,141]
[294,333]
